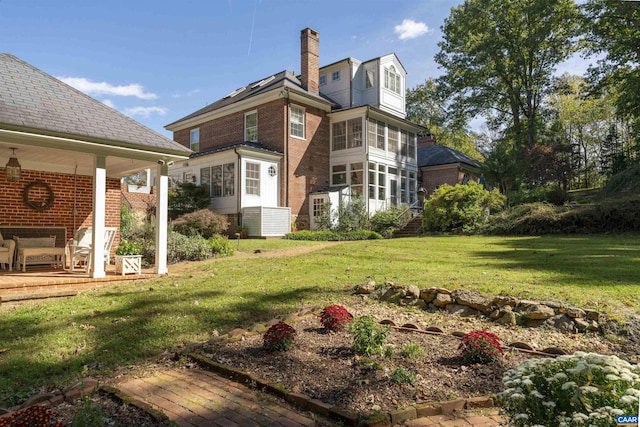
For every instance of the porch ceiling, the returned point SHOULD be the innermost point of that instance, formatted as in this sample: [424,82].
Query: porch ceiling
[65,161]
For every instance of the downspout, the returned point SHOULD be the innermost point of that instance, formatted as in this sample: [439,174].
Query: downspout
[239,192]
[286,152]
[75,193]
[365,167]
[350,83]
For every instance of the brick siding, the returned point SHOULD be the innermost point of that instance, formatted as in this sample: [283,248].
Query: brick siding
[16,213]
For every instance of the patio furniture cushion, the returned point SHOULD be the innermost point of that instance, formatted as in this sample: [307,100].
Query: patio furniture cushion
[36,242]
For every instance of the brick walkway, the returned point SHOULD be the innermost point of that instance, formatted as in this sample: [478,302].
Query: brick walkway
[195,397]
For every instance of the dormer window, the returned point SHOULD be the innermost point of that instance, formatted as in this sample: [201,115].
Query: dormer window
[369,79]
[335,75]
[323,80]
[392,80]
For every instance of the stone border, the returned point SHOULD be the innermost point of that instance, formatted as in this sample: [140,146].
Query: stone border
[505,310]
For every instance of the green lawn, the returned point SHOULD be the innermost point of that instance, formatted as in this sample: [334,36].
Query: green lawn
[51,343]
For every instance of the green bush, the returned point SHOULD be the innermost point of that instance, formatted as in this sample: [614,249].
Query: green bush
[324,236]
[626,181]
[127,247]
[368,336]
[203,222]
[460,208]
[412,351]
[386,222]
[403,376]
[187,197]
[221,246]
[573,390]
[187,248]
[609,216]
[127,220]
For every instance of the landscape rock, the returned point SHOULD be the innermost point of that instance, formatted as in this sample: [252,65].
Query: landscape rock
[472,299]
[366,288]
[428,295]
[413,291]
[442,300]
[576,312]
[508,318]
[461,310]
[592,314]
[443,291]
[495,314]
[553,304]
[394,295]
[561,322]
[581,324]
[537,311]
[502,301]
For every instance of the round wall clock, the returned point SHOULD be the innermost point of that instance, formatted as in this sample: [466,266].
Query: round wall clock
[38,196]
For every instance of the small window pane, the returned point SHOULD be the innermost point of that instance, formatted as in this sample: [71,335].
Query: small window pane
[194,139]
[253,179]
[296,118]
[339,136]
[251,127]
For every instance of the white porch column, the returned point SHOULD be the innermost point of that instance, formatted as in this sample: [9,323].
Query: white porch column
[99,216]
[162,217]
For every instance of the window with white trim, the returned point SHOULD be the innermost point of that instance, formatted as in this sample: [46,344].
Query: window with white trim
[382,182]
[369,79]
[392,80]
[323,80]
[356,178]
[347,134]
[296,121]
[375,135]
[251,126]
[335,75]
[252,177]
[412,145]
[194,139]
[338,174]
[219,180]
[413,195]
[372,181]
[404,143]
[392,145]
[339,136]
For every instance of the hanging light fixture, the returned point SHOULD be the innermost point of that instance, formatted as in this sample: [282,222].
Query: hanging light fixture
[13,169]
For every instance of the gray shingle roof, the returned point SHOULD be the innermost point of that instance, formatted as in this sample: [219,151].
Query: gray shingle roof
[443,155]
[245,144]
[32,100]
[283,79]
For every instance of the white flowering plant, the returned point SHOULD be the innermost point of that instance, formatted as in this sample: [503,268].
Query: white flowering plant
[582,389]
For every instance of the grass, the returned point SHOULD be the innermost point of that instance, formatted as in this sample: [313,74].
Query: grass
[50,343]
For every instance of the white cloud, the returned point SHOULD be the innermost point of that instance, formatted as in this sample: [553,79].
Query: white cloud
[104,88]
[109,103]
[410,29]
[145,111]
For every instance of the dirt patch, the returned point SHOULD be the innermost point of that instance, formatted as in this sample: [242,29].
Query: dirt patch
[323,365]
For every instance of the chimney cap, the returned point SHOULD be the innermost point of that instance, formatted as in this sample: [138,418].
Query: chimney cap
[309,31]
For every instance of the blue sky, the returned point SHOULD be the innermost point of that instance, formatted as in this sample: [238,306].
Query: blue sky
[158,61]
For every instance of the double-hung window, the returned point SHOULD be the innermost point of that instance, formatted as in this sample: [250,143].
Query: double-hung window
[194,139]
[393,140]
[296,121]
[339,136]
[251,126]
[354,133]
[253,178]
[392,80]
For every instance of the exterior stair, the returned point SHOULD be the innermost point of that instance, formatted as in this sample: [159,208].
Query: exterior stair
[412,229]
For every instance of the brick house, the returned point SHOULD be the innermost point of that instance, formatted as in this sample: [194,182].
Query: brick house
[73,151]
[440,164]
[274,152]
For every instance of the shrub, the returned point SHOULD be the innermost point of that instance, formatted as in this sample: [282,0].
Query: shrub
[34,416]
[127,247]
[279,337]
[328,236]
[480,346]
[386,222]
[412,351]
[221,246]
[460,208]
[579,389]
[334,317]
[184,248]
[203,222]
[403,376]
[187,197]
[368,335]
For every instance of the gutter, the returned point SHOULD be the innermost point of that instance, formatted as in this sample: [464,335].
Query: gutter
[286,151]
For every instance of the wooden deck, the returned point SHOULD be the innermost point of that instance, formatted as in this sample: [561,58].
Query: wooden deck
[47,282]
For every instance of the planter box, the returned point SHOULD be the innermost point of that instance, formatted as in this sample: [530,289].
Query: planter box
[128,264]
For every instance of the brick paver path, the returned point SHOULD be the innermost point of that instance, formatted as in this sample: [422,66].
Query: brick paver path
[195,397]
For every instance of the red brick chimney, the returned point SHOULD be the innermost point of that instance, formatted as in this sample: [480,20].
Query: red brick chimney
[428,140]
[310,50]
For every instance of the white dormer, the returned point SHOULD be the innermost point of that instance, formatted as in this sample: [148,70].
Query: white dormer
[380,82]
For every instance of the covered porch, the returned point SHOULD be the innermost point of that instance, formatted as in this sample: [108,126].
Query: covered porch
[62,156]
